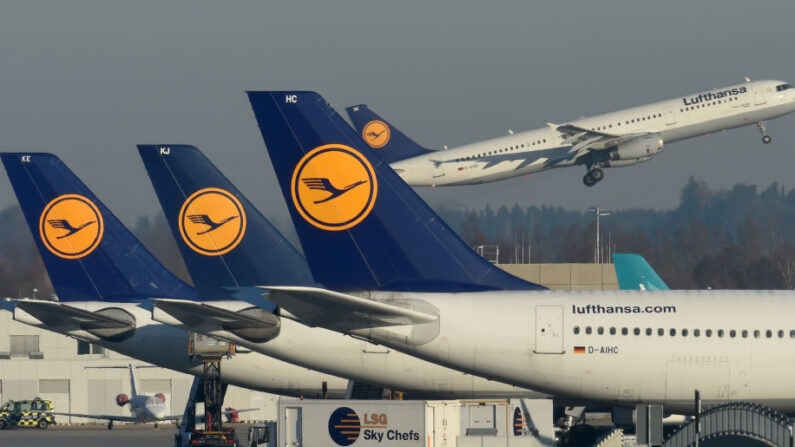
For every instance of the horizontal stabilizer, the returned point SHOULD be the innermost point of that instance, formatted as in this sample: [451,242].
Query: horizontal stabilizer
[253,324]
[62,316]
[111,323]
[321,307]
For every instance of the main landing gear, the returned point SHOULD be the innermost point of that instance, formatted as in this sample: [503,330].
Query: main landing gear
[593,177]
[765,137]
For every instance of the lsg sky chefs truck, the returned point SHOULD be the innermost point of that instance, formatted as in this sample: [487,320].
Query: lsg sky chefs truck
[393,423]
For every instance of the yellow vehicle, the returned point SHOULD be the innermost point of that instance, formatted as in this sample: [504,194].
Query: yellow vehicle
[26,413]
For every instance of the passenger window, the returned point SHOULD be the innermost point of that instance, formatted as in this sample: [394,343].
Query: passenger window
[780,333]
[768,333]
[757,333]
[673,332]
[720,333]
[636,331]
[660,332]
[708,332]
[624,331]
[745,333]
[732,333]
[612,331]
[791,334]
[576,330]
[600,330]
[696,332]
[684,332]
[648,331]
[588,330]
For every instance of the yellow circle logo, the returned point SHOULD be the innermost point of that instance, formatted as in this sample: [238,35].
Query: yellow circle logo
[212,221]
[376,133]
[71,226]
[334,187]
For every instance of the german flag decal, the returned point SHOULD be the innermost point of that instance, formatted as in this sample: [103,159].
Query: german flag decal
[579,349]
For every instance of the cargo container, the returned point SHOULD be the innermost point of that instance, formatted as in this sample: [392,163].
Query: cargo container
[393,423]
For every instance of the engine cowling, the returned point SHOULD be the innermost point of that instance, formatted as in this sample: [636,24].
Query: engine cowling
[646,147]
[161,396]
[122,400]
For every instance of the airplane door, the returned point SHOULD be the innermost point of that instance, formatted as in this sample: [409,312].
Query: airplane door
[294,431]
[759,96]
[549,330]
[668,113]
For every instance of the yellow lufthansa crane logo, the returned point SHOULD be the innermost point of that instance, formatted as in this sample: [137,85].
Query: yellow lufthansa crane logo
[376,133]
[212,221]
[334,187]
[71,226]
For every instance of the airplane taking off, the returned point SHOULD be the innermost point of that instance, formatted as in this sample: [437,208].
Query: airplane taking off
[613,347]
[104,277]
[143,408]
[615,139]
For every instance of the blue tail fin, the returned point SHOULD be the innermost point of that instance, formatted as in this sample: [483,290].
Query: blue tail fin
[88,253]
[392,145]
[225,241]
[634,273]
[360,225]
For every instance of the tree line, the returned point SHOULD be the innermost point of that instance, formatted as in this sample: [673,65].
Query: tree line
[736,238]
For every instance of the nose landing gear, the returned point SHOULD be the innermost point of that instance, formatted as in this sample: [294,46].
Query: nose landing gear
[593,177]
[762,128]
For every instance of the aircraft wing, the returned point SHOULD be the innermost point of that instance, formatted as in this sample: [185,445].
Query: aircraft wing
[582,140]
[544,157]
[62,316]
[105,417]
[320,307]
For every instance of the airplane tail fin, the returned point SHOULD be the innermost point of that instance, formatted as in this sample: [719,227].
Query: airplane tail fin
[361,226]
[634,273]
[88,253]
[392,144]
[133,388]
[226,242]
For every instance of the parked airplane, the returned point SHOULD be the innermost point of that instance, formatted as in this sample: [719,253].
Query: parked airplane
[143,408]
[103,277]
[634,273]
[614,347]
[615,139]
[254,252]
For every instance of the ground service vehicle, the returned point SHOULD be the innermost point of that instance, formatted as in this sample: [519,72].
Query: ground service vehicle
[27,413]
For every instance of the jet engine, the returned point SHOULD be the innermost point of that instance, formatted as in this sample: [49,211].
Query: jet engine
[642,147]
[122,400]
[161,396]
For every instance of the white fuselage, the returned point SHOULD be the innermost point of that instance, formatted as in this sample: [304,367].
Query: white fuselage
[674,120]
[327,351]
[147,408]
[614,347]
[167,347]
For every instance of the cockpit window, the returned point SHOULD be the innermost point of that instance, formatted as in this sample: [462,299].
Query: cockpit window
[782,87]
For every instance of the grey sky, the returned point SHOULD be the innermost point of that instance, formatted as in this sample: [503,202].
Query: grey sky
[88,79]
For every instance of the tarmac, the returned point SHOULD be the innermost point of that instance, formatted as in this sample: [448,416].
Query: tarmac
[100,436]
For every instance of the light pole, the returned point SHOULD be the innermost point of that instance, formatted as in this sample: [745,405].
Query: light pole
[599,212]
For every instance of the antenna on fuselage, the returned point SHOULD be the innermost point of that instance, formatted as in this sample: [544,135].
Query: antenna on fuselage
[747,79]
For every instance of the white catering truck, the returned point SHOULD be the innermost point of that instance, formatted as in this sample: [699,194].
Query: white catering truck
[397,423]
